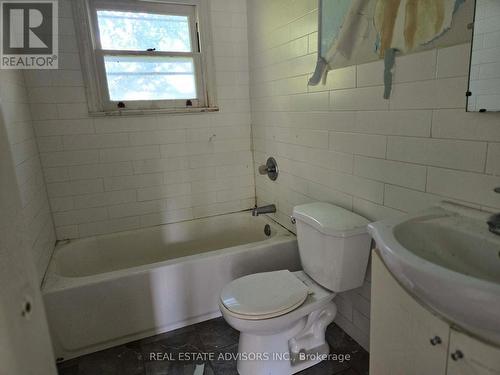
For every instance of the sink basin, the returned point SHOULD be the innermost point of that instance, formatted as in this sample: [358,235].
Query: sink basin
[446,257]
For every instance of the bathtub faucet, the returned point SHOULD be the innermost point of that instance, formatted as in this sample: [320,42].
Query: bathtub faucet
[264,210]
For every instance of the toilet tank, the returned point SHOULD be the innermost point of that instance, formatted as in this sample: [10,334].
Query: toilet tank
[334,245]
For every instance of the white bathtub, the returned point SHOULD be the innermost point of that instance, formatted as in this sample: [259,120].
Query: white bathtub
[104,291]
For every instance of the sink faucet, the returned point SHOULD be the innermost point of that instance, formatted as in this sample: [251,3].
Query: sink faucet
[265,210]
[494,221]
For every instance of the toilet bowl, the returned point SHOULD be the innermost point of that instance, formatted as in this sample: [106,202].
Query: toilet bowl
[282,316]
[272,343]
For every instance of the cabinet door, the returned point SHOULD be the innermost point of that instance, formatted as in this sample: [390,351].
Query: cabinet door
[405,338]
[469,356]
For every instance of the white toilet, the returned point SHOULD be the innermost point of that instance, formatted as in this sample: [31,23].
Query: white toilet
[282,316]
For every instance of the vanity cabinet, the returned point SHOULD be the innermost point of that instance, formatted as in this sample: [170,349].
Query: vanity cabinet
[402,330]
[472,357]
[407,339]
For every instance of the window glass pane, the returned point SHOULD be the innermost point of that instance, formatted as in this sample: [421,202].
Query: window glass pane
[150,78]
[141,31]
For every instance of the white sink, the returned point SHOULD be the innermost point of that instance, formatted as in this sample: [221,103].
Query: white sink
[448,259]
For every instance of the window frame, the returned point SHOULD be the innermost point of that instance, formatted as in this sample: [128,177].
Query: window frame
[92,55]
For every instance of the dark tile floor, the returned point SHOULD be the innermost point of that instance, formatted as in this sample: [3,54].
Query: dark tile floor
[213,336]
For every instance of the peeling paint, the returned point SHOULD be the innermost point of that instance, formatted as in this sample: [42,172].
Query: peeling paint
[407,24]
[358,31]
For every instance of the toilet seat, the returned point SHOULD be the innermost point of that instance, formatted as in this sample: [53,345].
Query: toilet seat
[264,295]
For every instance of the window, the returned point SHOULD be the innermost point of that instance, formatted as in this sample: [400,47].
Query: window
[140,55]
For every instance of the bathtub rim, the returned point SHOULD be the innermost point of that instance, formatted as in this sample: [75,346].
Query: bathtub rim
[53,282]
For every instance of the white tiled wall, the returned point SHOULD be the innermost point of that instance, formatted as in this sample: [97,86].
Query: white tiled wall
[107,174]
[38,230]
[343,143]
[23,336]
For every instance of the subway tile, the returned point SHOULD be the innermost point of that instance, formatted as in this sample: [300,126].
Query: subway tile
[238,193]
[135,209]
[164,191]
[103,199]
[87,142]
[344,306]
[123,152]
[453,61]
[219,208]
[157,137]
[373,211]
[360,321]
[186,149]
[82,172]
[47,144]
[63,127]
[493,162]
[310,138]
[339,161]
[43,111]
[125,124]
[343,78]
[79,216]
[407,200]
[109,226]
[338,121]
[304,25]
[166,217]
[432,94]
[427,101]
[361,99]
[318,101]
[160,165]
[133,182]
[220,184]
[222,158]
[62,204]
[66,189]
[466,186]
[455,154]
[458,124]
[358,187]
[224,146]
[408,68]
[69,158]
[416,123]
[129,153]
[190,175]
[217,133]
[415,67]
[325,194]
[370,74]
[360,303]
[403,174]
[67,232]
[56,174]
[50,95]
[355,332]
[232,170]
[359,144]
[70,111]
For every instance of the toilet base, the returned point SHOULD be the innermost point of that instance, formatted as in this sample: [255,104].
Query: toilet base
[294,349]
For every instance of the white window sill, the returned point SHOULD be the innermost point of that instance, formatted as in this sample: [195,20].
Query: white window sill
[145,112]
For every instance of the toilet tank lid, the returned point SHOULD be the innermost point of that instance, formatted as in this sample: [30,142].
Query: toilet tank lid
[331,220]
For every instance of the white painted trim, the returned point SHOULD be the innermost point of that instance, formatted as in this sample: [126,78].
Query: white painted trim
[93,68]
